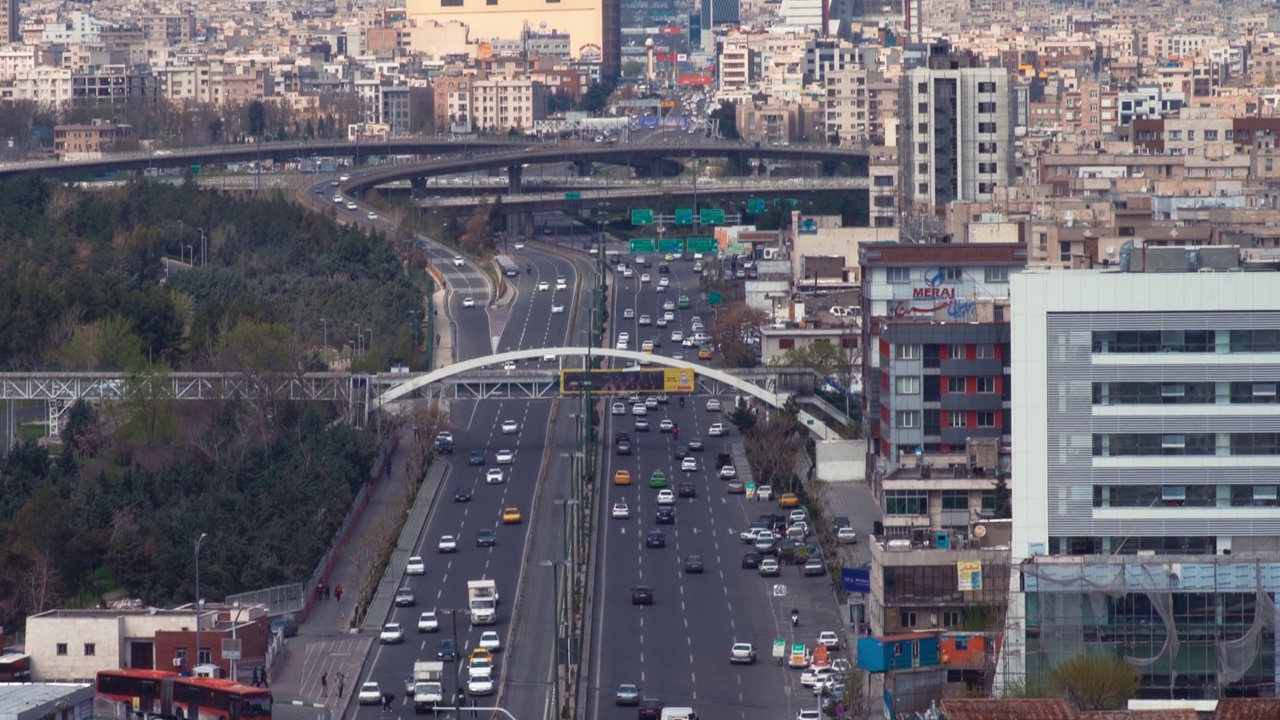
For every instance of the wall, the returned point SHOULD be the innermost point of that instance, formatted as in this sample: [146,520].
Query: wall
[842,460]
[44,633]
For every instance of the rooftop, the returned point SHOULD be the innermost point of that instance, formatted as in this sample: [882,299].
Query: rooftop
[16,697]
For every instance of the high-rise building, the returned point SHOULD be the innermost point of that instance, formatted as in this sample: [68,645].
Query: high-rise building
[1146,449]
[958,134]
[592,25]
[719,12]
[11,27]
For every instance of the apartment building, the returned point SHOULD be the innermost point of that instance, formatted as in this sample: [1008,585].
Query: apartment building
[48,87]
[169,28]
[87,142]
[861,107]
[1144,481]
[581,20]
[1091,110]
[500,104]
[11,27]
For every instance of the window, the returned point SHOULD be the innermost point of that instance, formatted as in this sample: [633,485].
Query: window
[205,656]
[908,620]
[986,418]
[180,655]
[922,87]
[62,648]
[951,618]
[986,87]
[952,274]
[450,3]
[786,343]
[909,385]
[996,274]
[986,107]
[955,385]
[988,147]
[988,168]
[898,274]
[986,384]
[908,352]
[986,352]
[906,502]
[885,201]
[883,181]
[957,352]
[955,418]
[908,418]
[1211,135]
[90,649]
[986,127]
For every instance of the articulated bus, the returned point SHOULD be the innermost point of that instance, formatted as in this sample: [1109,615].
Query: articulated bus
[164,694]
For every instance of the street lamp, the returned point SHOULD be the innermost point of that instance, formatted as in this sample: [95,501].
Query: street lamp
[204,254]
[234,623]
[554,710]
[199,544]
[325,323]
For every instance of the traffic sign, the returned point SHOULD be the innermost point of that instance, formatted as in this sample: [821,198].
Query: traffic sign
[779,648]
[641,217]
[670,245]
[714,297]
[711,216]
[701,245]
[684,216]
[755,205]
[643,245]
[573,195]
[779,590]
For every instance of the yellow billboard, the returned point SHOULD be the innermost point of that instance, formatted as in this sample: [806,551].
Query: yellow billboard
[969,574]
[625,382]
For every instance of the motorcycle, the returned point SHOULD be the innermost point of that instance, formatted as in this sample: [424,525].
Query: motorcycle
[795,618]
[528,269]
[681,402]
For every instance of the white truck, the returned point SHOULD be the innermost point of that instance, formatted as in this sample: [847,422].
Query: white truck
[679,713]
[428,685]
[482,600]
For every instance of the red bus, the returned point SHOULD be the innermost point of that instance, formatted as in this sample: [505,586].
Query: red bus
[169,695]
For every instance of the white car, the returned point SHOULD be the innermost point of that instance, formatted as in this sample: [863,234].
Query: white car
[639,409]
[391,633]
[458,261]
[519,246]
[669,316]
[468,302]
[808,715]
[846,536]
[505,457]
[490,640]
[769,567]
[645,320]
[544,286]
[666,497]
[797,515]
[562,284]
[557,309]
[651,402]
[829,639]
[428,622]
[812,675]
[372,215]
[493,476]
[644,277]
[510,427]
[660,289]
[664,281]
[728,472]
[669,305]
[628,314]
[618,409]
[677,336]
[370,694]
[622,345]
[666,426]
[662,322]
[415,566]
[713,405]
[628,273]
[621,511]
[480,685]
[717,430]
[765,492]
[448,544]
[509,365]
[689,464]
[352,206]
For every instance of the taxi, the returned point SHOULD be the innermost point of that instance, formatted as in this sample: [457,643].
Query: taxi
[622,477]
[658,479]
[511,516]
[704,353]
[483,654]
[788,500]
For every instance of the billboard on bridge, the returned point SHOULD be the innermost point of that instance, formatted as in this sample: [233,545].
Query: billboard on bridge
[622,382]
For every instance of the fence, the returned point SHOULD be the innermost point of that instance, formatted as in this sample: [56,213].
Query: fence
[279,600]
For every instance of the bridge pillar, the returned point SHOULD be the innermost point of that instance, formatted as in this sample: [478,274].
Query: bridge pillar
[582,167]
[518,225]
[419,185]
[514,178]
[656,168]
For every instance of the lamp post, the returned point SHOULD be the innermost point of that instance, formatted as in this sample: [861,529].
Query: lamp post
[325,323]
[204,254]
[555,634]
[234,623]
[199,543]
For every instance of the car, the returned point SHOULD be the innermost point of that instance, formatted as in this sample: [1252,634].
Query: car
[829,639]
[751,560]
[371,215]
[687,490]
[509,365]
[808,715]
[769,568]
[510,427]
[493,476]
[683,302]
[664,268]
[628,273]
[664,282]
[557,309]
[446,649]
[485,538]
[624,447]
[462,494]
[639,409]
[666,497]
[370,694]
[415,566]
[480,661]
[644,320]
[688,342]
[658,479]
[476,457]
[813,675]
[662,322]
[655,539]
[717,430]
[694,564]
[830,688]
[669,305]
[788,500]
[448,544]
[681,452]
[468,302]
[511,516]
[698,267]
[504,457]
[651,403]
[428,621]
[642,424]
[642,595]
[650,709]
[660,288]
[405,597]
[391,634]
[458,261]
[481,684]
[519,246]
[490,640]
[544,286]
[662,398]
[618,409]
[765,492]
[797,515]
[627,694]
[704,353]
[666,426]
[764,542]
[286,625]
[696,445]
[644,277]
[689,464]
[799,530]
[621,511]
[622,477]
[744,653]
[665,515]
[562,284]
[352,206]
[677,355]
[735,487]
[846,535]
[629,314]
[728,472]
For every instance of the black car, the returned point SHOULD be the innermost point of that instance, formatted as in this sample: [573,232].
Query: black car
[286,625]
[687,489]
[682,452]
[664,269]
[642,595]
[476,457]
[751,560]
[621,437]
[444,442]
[485,538]
[693,564]
[447,650]
[696,445]
[624,448]
[462,494]
[665,516]
[651,709]
[655,539]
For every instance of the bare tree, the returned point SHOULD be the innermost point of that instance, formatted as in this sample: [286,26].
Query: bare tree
[42,582]
[734,323]
[773,448]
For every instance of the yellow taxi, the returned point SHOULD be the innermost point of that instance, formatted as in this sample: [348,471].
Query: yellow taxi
[622,477]
[788,500]
[704,353]
[480,654]
[510,516]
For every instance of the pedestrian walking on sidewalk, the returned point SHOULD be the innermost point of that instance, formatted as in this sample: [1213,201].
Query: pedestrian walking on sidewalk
[256,681]
[319,591]
[265,684]
[337,593]
[342,681]
[324,685]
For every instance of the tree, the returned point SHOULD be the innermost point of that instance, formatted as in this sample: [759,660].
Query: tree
[773,447]
[823,357]
[595,99]
[726,114]
[1004,499]
[1095,681]
[742,416]
[256,115]
[733,325]
[477,238]
[855,703]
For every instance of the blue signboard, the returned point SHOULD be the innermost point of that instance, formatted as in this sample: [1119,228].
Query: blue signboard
[855,580]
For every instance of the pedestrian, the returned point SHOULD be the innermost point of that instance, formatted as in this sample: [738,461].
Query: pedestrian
[319,591]
[337,592]
[342,681]
[265,684]
[324,685]
[255,678]
[387,699]
[328,591]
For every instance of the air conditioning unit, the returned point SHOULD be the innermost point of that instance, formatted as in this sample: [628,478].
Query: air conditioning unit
[177,662]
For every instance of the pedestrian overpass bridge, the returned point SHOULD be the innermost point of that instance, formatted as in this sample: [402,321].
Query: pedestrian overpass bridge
[361,393]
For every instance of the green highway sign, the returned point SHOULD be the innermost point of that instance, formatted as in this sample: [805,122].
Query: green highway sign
[641,217]
[702,245]
[671,245]
[714,298]
[755,205]
[573,195]
[684,216]
[711,216]
[642,245]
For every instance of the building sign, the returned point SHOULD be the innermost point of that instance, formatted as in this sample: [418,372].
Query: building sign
[704,80]
[934,296]
[969,574]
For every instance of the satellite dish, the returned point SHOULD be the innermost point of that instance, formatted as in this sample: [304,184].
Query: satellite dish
[979,531]
[543,25]
[1111,249]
